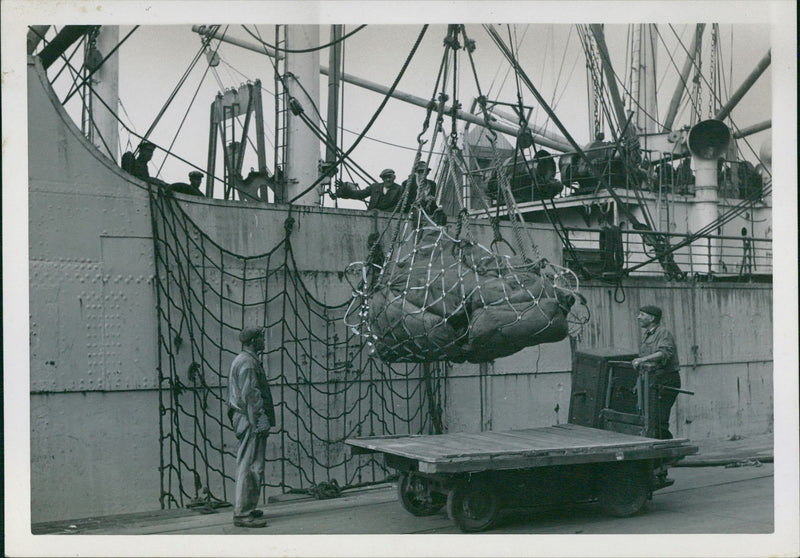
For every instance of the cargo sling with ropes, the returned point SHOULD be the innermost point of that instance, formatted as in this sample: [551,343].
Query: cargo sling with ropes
[438,294]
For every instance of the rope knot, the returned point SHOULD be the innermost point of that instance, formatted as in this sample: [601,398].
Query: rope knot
[288,226]
[451,40]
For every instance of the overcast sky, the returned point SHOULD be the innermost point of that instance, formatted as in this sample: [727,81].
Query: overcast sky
[154,57]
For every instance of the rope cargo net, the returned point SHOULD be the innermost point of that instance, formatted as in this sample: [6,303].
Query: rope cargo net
[436,297]
[326,386]
[439,295]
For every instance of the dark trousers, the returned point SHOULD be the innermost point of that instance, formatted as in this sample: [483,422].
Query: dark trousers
[660,404]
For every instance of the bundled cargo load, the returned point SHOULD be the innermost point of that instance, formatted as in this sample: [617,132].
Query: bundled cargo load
[436,297]
[438,294]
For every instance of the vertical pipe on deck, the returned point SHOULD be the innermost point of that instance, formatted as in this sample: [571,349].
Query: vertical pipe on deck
[334,79]
[708,140]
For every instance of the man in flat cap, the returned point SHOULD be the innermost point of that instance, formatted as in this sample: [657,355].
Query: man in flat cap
[252,414]
[659,355]
[428,194]
[191,189]
[138,166]
[385,195]
[195,178]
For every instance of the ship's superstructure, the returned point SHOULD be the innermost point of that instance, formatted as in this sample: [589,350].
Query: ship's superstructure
[151,279]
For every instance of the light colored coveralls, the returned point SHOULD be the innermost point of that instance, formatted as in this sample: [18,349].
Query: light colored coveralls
[250,409]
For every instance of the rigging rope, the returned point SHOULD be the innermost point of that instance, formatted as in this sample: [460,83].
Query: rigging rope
[672,59]
[374,116]
[68,61]
[698,77]
[437,296]
[178,86]
[304,50]
[188,108]
[99,65]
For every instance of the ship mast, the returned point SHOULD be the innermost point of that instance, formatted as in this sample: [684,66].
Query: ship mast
[102,126]
[643,79]
[301,81]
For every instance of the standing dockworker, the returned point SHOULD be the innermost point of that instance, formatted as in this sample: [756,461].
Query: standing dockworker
[385,195]
[251,412]
[659,355]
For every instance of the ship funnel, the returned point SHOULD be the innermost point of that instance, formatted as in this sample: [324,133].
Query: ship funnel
[709,139]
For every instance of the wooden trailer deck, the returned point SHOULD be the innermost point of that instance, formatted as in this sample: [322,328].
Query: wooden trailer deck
[565,444]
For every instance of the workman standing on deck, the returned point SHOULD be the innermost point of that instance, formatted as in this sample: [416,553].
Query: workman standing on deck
[385,195]
[251,412]
[659,355]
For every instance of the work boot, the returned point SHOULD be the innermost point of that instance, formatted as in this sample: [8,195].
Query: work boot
[662,481]
[257,513]
[249,521]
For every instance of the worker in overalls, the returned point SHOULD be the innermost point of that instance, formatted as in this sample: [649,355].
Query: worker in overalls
[251,413]
[658,355]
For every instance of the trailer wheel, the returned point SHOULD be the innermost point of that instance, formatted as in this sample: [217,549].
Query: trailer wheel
[416,496]
[623,488]
[473,506]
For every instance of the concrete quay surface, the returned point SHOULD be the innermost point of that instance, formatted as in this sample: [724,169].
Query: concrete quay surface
[707,497]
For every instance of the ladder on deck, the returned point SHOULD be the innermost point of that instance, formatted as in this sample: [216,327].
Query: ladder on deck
[281,118]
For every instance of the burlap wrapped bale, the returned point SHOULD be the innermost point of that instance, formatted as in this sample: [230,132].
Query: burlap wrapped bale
[517,288]
[406,333]
[441,299]
[439,278]
[498,331]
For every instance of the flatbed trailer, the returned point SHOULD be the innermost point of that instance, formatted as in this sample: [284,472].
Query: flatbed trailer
[477,474]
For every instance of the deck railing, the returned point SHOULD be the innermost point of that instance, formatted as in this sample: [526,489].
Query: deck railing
[658,172]
[714,255]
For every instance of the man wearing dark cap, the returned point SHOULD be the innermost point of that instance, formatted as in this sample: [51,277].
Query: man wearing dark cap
[251,413]
[659,355]
[191,189]
[195,178]
[428,197]
[138,166]
[384,196]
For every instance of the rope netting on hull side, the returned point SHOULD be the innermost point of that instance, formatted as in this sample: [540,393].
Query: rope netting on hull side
[326,385]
